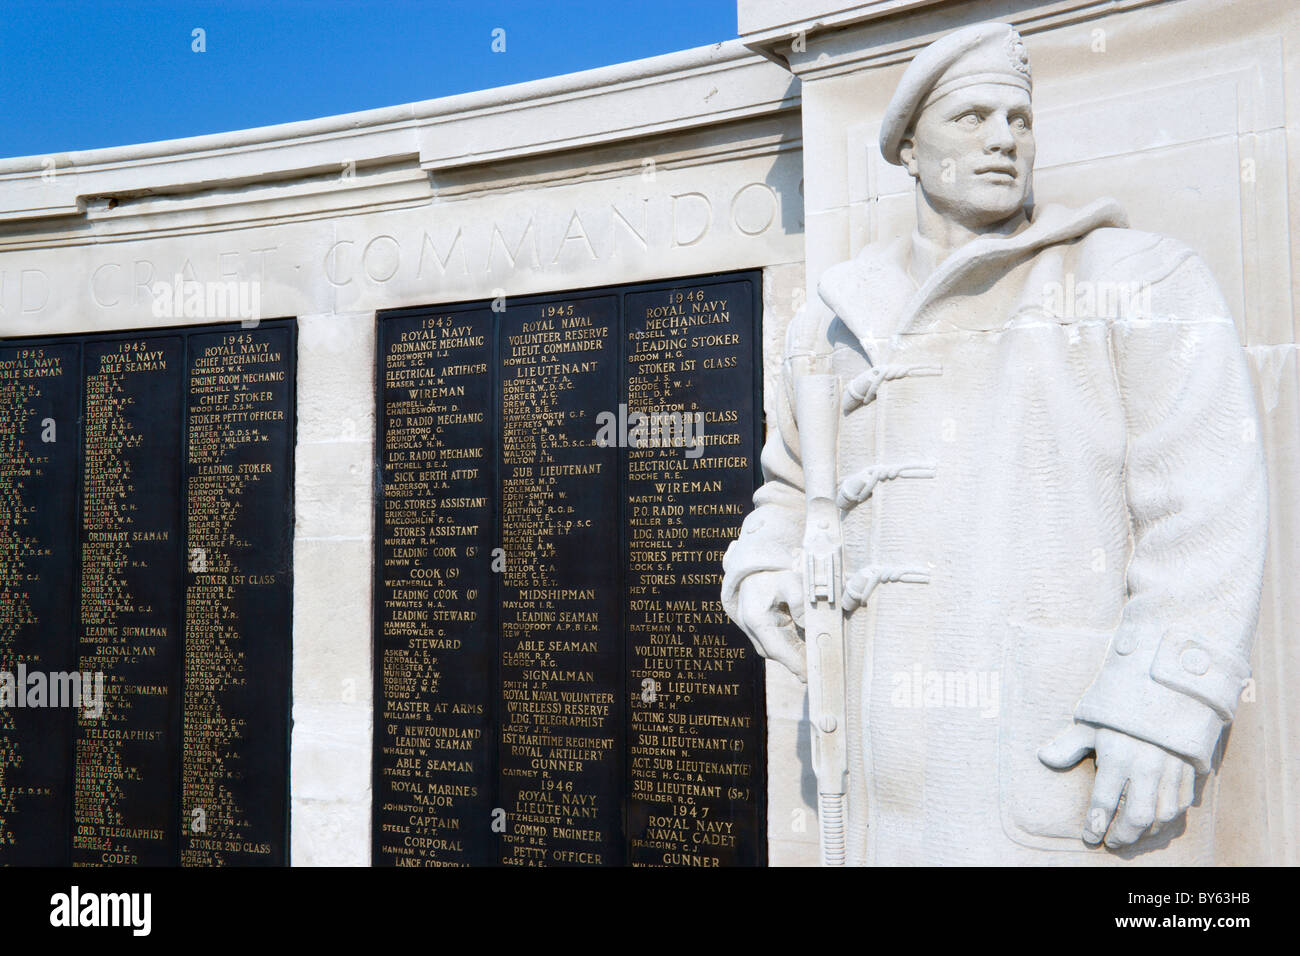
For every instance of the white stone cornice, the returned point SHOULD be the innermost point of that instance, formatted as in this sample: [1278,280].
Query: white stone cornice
[852,37]
[679,91]
[768,25]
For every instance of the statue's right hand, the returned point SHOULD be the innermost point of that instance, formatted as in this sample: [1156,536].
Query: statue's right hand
[769,602]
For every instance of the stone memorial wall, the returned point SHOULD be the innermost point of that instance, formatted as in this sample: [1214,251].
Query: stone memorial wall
[417,703]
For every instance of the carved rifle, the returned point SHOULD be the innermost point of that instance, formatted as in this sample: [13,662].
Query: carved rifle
[817,410]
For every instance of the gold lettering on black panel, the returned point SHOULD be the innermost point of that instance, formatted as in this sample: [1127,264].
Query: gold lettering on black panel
[435,626]
[145,545]
[560,648]
[695,737]
[619,716]
[38,489]
[238,475]
[123,810]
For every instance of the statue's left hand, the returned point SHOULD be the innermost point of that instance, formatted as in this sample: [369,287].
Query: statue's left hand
[1155,784]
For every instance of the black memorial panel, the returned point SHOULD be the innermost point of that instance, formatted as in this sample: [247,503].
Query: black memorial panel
[561,654]
[608,711]
[159,530]
[696,767]
[40,399]
[436,634]
[127,760]
[238,557]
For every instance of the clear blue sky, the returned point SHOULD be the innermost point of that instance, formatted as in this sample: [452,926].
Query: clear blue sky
[80,75]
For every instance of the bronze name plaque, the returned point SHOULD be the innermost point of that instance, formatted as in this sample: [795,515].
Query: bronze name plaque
[146,518]
[556,682]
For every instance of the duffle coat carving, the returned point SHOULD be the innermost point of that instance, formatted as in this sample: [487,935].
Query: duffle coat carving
[1052,509]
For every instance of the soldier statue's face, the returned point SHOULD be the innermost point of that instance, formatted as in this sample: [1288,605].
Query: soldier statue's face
[972,152]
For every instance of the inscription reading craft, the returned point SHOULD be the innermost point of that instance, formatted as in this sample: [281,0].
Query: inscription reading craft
[556,682]
[145,523]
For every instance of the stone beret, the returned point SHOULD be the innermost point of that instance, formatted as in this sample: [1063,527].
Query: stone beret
[982,53]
